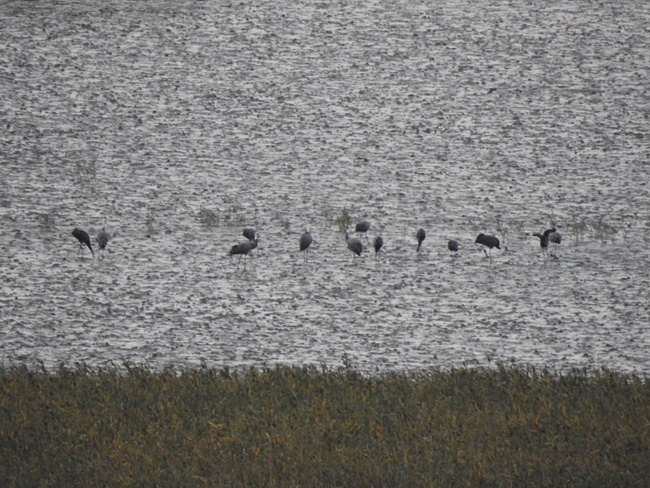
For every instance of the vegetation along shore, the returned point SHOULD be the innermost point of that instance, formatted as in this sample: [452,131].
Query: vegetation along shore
[308,426]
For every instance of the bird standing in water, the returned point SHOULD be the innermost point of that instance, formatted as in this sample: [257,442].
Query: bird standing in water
[377,243]
[543,240]
[489,242]
[421,236]
[83,238]
[102,238]
[354,245]
[305,242]
[556,238]
[549,235]
[243,249]
[453,246]
[362,228]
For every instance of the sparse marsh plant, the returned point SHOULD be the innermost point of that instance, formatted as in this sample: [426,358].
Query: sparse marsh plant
[503,230]
[344,219]
[233,215]
[85,171]
[150,222]
[328,214]
[630,224]
[579,227]
[508,227]
[551,221]
[602,230]
[46,220]
[207,217]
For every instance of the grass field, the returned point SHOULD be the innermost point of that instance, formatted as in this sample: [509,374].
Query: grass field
[285,426]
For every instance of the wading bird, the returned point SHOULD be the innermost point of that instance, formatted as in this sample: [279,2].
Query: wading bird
[421,236]
[487,241]
[556,238]
[543,240]
[549,235]
[243,249]
[377,243]
[305,242]
[102,238]
[354,245]
[453,246]
[362,228]
[249,234]
[83,238]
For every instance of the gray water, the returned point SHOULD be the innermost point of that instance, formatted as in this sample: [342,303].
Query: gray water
[184,122]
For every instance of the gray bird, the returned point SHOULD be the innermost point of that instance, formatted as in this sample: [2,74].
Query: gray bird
[543,240]
[489,242]
[83,238]
[377,243]
[549,235]
[556,238]
[354,245]
[363,227]
[305,242]
[421,236]
[249,233]
[453,246]
[243,249]
[102,238]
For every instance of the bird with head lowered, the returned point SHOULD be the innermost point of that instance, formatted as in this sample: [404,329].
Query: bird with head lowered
[83,238]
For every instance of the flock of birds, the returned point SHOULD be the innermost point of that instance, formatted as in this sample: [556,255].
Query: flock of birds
[354,244]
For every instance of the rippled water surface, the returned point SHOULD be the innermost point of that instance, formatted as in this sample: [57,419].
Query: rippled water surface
[184,122]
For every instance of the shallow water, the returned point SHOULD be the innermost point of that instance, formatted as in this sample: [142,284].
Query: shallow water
[184,122]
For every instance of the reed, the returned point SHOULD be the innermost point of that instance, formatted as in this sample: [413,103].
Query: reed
[208,217]
[46,220]
[308,426]
[343,219]
[85,171]
[150,222]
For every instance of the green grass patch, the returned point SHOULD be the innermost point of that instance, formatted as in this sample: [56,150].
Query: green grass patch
[288,426]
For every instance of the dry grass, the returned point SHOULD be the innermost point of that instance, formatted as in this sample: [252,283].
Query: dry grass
[208,217]
[85,171]
[309,427]
[344,219]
